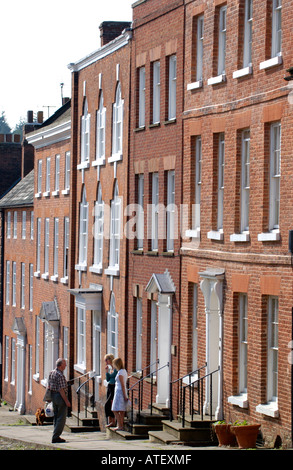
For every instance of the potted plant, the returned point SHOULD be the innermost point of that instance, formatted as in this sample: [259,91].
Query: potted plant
[224,434]
[246,434]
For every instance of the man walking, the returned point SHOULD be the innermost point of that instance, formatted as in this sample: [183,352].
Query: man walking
[58,386]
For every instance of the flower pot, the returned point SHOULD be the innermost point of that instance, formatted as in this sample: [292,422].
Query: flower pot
[246,435]
[224,435]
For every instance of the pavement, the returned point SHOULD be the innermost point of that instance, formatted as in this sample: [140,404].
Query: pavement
[22,428]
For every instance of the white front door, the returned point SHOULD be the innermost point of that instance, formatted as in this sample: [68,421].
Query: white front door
[20,375]
[164,348]
[97,350]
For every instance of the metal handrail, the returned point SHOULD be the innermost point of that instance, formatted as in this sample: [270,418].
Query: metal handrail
[139,383]
[86,393]
[199,382]
[180,379]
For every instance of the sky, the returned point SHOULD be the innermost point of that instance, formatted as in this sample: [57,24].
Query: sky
[38,39]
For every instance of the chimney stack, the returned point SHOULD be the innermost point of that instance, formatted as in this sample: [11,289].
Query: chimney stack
[110,30]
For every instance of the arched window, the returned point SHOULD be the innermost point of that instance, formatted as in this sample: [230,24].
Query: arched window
[117,122]
[85,133]
[99,229]
[112,328]
[101,125]
[115,229]
[83,229]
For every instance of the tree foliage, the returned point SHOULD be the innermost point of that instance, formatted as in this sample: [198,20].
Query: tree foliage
[4,126]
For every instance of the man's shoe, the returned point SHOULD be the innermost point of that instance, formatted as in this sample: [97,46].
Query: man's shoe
[58,440]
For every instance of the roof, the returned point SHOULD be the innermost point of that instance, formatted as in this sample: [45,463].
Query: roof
[22,194]
[161,283]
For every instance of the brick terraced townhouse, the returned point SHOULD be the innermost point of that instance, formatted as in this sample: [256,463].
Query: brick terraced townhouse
[162,220]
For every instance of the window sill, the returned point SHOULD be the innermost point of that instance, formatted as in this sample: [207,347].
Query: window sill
[216,80]
[54,278]
[55,193]
[269,409]
[45,276]
[36,377]
[64,280]
[138,251]
[273,62]
[152,253]
[168,254]
[46,194]
[80,368]
[155,124]
[243,72]
[193,233]
[83,165]
[240,237]
[112,271]
[215,235]
[239,400]
[99,161]
[37,274]
[170,121]
[96,268]
[269,237]
[194,85]
[116,157]
[80,267]
[38,195]
[139,129]
[65,191]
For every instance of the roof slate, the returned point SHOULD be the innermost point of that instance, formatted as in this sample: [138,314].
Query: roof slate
[22,194]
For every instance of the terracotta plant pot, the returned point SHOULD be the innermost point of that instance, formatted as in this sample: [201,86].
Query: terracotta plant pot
[246,435]
[224,435]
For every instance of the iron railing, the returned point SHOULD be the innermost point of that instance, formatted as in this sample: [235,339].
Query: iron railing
[85,392]
[199,385]
[180,383]
[139,388]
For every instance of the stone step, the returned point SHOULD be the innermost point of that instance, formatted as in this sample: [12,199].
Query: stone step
[124,435]
[173,431]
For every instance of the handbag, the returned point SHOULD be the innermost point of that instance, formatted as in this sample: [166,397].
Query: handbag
[47,396]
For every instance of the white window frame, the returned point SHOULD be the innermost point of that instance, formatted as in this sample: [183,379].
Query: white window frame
[140,213]
[171,210]
[31,286]
[172,87]
[32,225]
[66,348]
[98,232]
[38,263]
[115,231]
[57,175]
[117,127]
[13,358]
[153,337]
[6,369]
[23,230]
[195,328]
[97,342]
[155,211]
[15,224]
[112,328]
[273,348]
[85,135]
[45,275]
[14,283]
[67,174]
[101,130]
[141,105]
[138,334]
[221,171]
[39,178]
[30,369]
[243,340]
[199,47]
[156,92]
[198,165]
[81,339]
[64,279]
[248,19]
[22,286]
[8,224]
[222,40]
[277,28]
[245,180]
[37,349]
[275,175]
[83,229]
[7,294]
[48,177]
[56,250]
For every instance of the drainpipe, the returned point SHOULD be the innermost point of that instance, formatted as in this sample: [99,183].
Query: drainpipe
[1,296]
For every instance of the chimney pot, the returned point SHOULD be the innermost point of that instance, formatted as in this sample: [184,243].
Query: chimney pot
[30,116]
